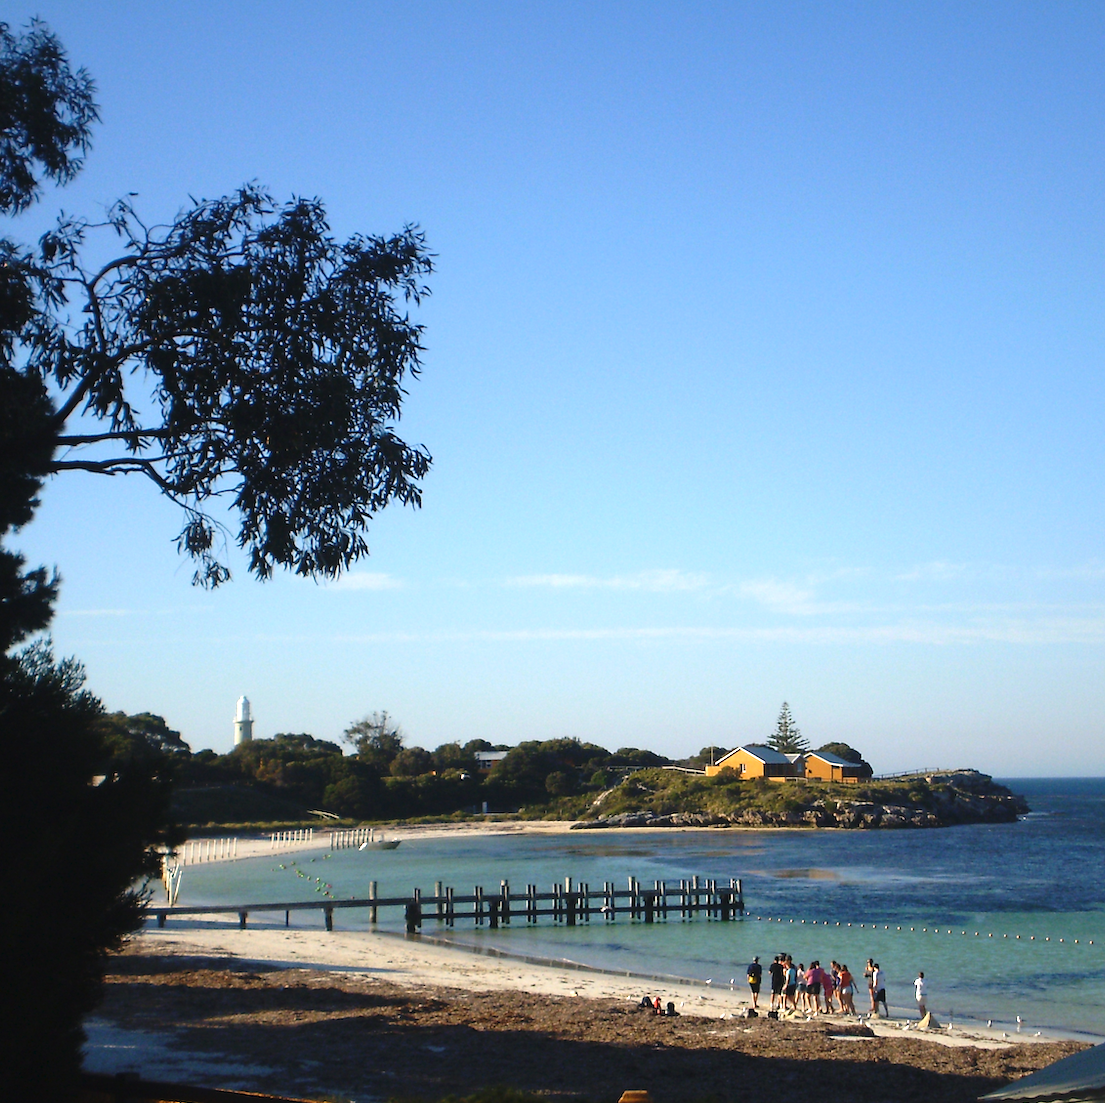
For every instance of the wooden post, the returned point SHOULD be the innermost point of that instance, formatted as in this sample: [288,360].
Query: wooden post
[161,919]
[242,920]
[478,906]
[287,918]
[413,916]
[493,905]
[440,906]
[372,896]
[450,916]
[650,903]
[531,903]
[329,918]
[504,891]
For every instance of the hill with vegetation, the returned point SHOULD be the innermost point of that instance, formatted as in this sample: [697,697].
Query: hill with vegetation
[375,777]
[666,798]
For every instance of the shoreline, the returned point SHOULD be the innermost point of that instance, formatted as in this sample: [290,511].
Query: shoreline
[375,1015]
[425,960]
[963,1025]
[256,846]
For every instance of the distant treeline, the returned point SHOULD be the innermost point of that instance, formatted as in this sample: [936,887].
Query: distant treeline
[377,777]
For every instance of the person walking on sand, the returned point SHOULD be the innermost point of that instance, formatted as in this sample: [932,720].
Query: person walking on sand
[803,994]
[922,992]
[755,975]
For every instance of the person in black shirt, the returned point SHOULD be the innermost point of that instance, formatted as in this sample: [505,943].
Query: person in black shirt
[778,973]
[755,974]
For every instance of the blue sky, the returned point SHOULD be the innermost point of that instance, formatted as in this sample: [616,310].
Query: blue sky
[763,362]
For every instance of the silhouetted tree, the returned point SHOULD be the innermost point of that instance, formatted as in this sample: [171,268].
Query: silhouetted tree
[412,761]
[786,738]
[377,738]
[270,361]
[80,823]
[849,754]
[708,756]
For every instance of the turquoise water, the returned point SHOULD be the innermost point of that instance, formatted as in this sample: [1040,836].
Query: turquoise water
[951,902]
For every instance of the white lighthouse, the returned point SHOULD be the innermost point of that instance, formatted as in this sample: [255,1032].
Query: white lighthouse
[243,722]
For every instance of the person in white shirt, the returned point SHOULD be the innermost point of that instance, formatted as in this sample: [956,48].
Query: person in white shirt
[878,990]
[919,985]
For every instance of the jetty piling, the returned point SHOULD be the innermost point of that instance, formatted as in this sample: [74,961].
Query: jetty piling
[567,903]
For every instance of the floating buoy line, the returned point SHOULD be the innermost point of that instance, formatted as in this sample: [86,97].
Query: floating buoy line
[899,928]
[321,886]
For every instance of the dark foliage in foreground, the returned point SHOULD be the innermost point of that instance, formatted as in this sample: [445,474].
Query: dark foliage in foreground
[79,824]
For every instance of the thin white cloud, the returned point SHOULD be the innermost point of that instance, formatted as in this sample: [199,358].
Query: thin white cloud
[1023,632]
[784,597]
[658,581]
[95,612]
[366,580]
[937,571]
[1092,570]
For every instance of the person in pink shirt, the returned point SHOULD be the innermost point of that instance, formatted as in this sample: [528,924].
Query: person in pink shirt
[813,985]
[828,985]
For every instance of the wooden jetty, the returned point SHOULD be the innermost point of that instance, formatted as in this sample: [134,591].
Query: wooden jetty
[566,903]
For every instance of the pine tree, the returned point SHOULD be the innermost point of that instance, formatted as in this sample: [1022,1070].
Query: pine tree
[786,738]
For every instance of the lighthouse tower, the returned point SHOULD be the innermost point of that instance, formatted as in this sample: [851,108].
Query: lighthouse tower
[243,722]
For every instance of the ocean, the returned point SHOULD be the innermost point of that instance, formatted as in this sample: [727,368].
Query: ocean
[1006,920]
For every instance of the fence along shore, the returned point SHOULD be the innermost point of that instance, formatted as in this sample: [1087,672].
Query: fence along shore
[565,904]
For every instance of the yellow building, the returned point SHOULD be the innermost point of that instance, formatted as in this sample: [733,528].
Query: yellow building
[756,760]
[824,766]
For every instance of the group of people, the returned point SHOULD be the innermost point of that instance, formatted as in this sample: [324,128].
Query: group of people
[815,990]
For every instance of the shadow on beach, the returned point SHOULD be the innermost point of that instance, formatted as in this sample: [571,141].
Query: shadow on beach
[320,1033]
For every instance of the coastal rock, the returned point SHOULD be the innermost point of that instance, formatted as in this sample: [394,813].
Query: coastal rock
[937,799]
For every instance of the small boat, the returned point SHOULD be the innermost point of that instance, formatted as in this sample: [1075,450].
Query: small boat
[372,843]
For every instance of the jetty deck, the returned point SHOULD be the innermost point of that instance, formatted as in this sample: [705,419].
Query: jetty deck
[565,904]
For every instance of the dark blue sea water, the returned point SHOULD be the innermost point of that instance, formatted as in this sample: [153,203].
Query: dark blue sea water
[1005,920]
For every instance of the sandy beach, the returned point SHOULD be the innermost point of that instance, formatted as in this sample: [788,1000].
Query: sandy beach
[367,1015]
[260,845]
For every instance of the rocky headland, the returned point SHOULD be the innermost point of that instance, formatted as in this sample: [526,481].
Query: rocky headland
[941,799]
